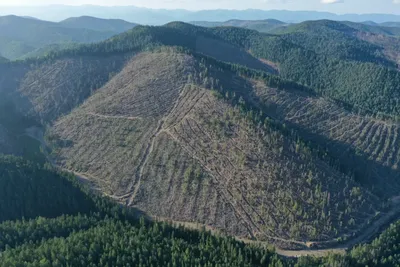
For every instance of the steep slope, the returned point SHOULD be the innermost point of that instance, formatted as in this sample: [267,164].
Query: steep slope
[335,39]
[390,45]
[321,55]
[318,54]
[52,86]
[267,25]
[21,35]
[29,190]
[48,219]
[367,145]
[15,131]
[198,39]
[98,24]
[149,132]
[385,39]
[49,89]
[346,40]
[175,149]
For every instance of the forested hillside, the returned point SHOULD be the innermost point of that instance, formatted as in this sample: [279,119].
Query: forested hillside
[16,130]
[51,232]
[52,88]
[319,55]
[382,251]
[29,190]
[20,36]
[191,142]
[288,138]
[76,228]
[323,54]
[103,234]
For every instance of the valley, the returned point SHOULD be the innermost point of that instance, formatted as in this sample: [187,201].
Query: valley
[287,139]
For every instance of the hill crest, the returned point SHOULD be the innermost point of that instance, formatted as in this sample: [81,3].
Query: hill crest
[97,24]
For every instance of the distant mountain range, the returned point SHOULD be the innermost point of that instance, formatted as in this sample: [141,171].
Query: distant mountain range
[285,137]
[27,36]
[23,36]
[274,26]
[266,25]
[162,16]
[290,137]
[96,24]
[391,24]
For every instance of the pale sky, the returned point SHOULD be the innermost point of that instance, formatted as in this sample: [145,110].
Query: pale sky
[335,6]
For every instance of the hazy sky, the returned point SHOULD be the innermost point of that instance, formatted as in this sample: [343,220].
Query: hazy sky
[336,6]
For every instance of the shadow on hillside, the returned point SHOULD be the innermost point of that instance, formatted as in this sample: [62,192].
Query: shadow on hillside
[381,180]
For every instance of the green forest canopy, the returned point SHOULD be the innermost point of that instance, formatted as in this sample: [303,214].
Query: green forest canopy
[49,220]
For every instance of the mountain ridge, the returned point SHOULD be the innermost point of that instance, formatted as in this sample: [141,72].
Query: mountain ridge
[186,132]
[21,36]
[96,24]
[162,16]
[107,113]
[165,132]
[266,25]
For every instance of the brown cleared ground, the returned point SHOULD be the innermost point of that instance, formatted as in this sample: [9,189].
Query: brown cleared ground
[345,134]
[155,138]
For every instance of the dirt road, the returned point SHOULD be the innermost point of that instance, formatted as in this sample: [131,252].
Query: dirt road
[367,234]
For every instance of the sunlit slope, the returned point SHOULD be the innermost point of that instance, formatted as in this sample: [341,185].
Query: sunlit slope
[157,137]
[188,138]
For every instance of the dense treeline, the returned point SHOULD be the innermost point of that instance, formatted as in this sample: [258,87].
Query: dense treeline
[325,56]
[259,113]
[13,136]
[383,251]
[364,85]
[98,232]
[336,40]
[11,119]
[115,243]
[16,233]
[93,231]
[105,234]
[28,190]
